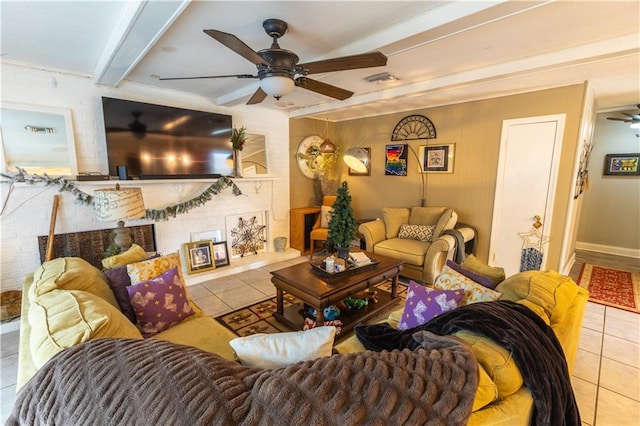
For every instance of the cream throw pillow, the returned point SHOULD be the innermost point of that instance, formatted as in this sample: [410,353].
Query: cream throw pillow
[153,268]
[281,349]
[325,216]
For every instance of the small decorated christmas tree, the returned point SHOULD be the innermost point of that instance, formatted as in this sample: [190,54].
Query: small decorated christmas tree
[343,225]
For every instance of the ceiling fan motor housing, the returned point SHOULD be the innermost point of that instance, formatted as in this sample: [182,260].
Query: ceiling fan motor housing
[281,62]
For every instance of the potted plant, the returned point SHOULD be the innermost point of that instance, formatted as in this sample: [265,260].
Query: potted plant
[342,225]
[238,139]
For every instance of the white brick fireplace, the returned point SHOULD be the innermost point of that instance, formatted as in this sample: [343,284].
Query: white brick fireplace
[26,209]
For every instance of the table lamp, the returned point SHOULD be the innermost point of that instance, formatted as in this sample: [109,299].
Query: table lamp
[119,205]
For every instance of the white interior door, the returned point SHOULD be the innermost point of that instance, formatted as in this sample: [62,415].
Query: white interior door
[525,187]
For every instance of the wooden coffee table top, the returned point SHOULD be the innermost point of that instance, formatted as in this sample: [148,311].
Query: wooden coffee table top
[303,279]
[319,290]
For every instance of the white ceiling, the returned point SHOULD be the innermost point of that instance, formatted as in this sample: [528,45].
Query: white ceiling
[444,52]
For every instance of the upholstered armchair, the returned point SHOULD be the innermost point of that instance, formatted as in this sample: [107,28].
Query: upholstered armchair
[416,236]
[320,229]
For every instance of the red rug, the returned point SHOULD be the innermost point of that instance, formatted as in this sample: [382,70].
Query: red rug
[611,287]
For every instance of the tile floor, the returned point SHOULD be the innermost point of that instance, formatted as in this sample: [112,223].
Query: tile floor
[606,378]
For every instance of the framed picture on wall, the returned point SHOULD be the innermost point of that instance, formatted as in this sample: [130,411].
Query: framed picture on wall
[395,160]
[220,254]
[199,256]
[437,158]
[368,165]
[622,164]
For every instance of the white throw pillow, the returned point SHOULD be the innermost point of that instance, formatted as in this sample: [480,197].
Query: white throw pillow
[281,349]
[325,216]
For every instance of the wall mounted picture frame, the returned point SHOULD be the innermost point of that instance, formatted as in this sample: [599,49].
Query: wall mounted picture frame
[220,254]
[437,158]
[247,234]
[368,172]
[395,160]
[199,256]
[622,164]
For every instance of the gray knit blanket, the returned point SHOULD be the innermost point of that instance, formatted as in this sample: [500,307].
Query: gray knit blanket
[152,382]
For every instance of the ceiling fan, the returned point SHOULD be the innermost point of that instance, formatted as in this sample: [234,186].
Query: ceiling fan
[634,119]
[279,71]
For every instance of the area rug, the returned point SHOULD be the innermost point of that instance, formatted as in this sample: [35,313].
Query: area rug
[611,287]
[258,318]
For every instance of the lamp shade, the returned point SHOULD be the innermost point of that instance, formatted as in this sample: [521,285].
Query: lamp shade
[277,86]
[328,147]
[357,159]
[115,204]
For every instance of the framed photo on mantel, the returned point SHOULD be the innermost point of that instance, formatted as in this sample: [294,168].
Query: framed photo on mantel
[199,256]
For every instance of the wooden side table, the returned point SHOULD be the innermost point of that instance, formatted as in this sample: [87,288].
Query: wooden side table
[301,222]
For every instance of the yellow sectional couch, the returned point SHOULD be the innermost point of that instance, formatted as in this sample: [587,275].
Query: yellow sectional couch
[67,301]
[502,398]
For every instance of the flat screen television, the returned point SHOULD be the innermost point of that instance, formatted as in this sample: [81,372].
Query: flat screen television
[162,142]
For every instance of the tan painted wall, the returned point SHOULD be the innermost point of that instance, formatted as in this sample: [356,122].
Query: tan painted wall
[475,129]
[610,215]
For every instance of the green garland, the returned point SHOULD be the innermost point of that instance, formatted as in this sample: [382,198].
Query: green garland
[65,185]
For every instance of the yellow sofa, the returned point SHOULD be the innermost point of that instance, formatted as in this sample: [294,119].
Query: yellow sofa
[502,398]
[71,303]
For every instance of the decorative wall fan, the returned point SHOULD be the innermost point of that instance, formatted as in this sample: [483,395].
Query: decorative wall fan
[634,119]
[279,71]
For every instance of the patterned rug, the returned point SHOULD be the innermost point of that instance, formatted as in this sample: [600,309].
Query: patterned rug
[611,287]
[257,318]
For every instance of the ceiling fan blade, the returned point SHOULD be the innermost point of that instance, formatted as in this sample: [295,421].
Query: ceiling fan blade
[209,76]
[619,119]
[363,60]
[258,96]
[237,45]
[323,88]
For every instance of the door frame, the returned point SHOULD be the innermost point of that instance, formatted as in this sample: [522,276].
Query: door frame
[553,175]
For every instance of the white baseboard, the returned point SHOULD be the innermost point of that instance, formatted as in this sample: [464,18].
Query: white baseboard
[600,248]
[566,269]
[9,326]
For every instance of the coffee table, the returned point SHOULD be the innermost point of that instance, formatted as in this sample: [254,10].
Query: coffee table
[321,291]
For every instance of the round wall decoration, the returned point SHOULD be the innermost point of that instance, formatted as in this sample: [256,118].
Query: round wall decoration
[413,127]
[307,155]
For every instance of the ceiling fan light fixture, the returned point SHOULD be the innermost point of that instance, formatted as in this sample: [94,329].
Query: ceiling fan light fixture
[277,86]
[357,159]
[635,125]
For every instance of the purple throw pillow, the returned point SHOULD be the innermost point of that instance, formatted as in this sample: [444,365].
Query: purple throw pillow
[424,303]
[160,303]
[480,279]
[118,279]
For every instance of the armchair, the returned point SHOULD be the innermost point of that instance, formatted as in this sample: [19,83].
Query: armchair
[416,236]
[320,229]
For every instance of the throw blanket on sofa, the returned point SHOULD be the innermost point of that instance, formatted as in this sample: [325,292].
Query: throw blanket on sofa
[535,348]
[128,382]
